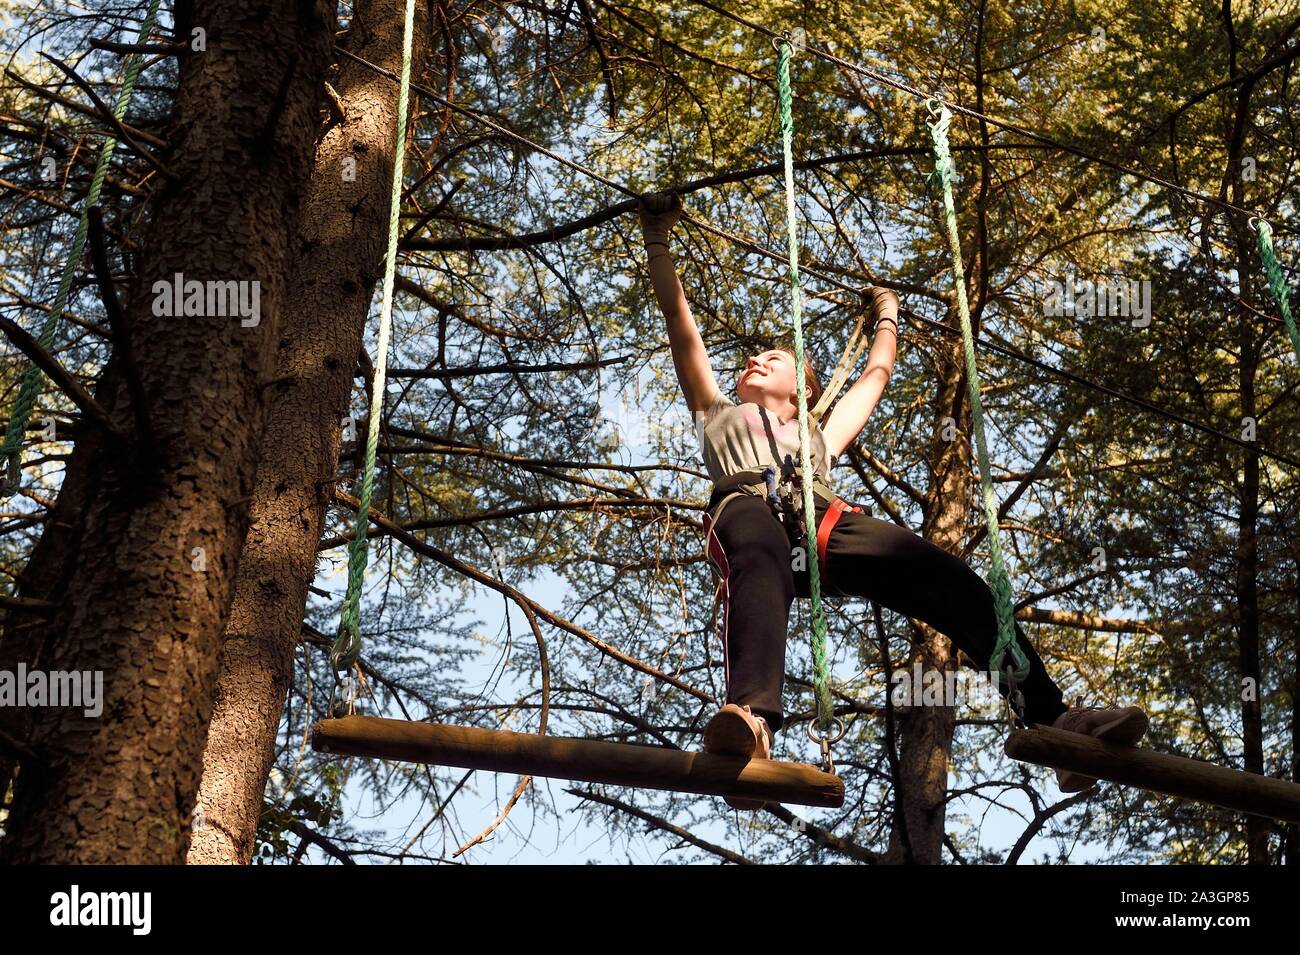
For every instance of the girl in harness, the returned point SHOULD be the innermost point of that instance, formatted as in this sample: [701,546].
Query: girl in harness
[751,451]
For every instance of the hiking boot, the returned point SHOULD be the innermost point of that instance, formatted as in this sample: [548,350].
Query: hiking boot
[737,731]
[1123,726]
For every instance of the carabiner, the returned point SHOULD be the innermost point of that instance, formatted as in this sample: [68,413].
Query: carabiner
[828,764]
[11,477]
[773,492]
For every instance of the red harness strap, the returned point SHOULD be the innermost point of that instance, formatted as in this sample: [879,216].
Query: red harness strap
[829,520]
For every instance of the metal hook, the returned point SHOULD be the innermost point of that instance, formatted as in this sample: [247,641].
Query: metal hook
[930,103]
[1250,224]
[796,45]
[1015,701]
[346,705]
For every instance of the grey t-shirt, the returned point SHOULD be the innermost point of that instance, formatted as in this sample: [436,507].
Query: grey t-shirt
[735,438]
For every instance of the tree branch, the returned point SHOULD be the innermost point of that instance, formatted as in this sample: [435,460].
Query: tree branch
[509,368]
[41,91]
[104,112]
[42,359]
[144,436]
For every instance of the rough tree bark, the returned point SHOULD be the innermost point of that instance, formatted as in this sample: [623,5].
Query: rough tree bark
[342,232]
[926,731]
[46,573]
[149,586]
[1236,124]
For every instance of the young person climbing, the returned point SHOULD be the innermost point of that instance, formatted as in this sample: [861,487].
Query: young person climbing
[750,536]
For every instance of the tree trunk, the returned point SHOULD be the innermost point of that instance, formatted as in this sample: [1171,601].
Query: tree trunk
[926,731]
[341,239]
[149,587]
[45,575]
[1247,577]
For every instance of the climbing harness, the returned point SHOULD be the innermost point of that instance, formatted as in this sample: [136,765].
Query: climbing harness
[11,453]
[829,520]
[347,646]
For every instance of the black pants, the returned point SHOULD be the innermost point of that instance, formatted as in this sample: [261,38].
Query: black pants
[866,557]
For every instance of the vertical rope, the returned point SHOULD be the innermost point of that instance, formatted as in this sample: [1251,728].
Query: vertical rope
[347,646]
[30,387]
[1276,282]
[821,666]
[999,582]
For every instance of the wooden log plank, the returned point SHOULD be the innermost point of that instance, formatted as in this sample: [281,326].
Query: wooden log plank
[593,761]
[1157,772]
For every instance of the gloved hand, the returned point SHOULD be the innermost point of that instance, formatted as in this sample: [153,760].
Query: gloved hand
[659,212]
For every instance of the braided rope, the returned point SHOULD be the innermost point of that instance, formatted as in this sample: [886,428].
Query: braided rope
[821,665]
[1276,282]
[30,387]
[347,646]
[1000,583]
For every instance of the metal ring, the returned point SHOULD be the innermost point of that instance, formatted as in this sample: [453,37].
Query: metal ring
[781,39]
[1250,224]
[929,105]
[11,473]
[828,739]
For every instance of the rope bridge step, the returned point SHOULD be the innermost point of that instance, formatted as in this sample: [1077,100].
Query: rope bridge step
[593,761]
[1157,772]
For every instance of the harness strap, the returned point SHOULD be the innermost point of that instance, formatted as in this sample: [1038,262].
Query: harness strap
[828,522]
[712,515]
[748,482]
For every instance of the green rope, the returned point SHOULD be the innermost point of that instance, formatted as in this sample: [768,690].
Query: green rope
[29,389]
[1276,282]
[347,646]
[999,582]
[821,665]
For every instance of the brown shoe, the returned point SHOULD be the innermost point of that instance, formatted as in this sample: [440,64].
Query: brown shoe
[1123,726]
[737,731]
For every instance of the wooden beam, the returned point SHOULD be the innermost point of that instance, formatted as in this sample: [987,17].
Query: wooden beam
[593,761]
[1157,772]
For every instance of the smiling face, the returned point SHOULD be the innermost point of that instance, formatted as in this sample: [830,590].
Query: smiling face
[768,379]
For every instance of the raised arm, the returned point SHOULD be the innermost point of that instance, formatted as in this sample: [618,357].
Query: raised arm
[659,212]
[850,414]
